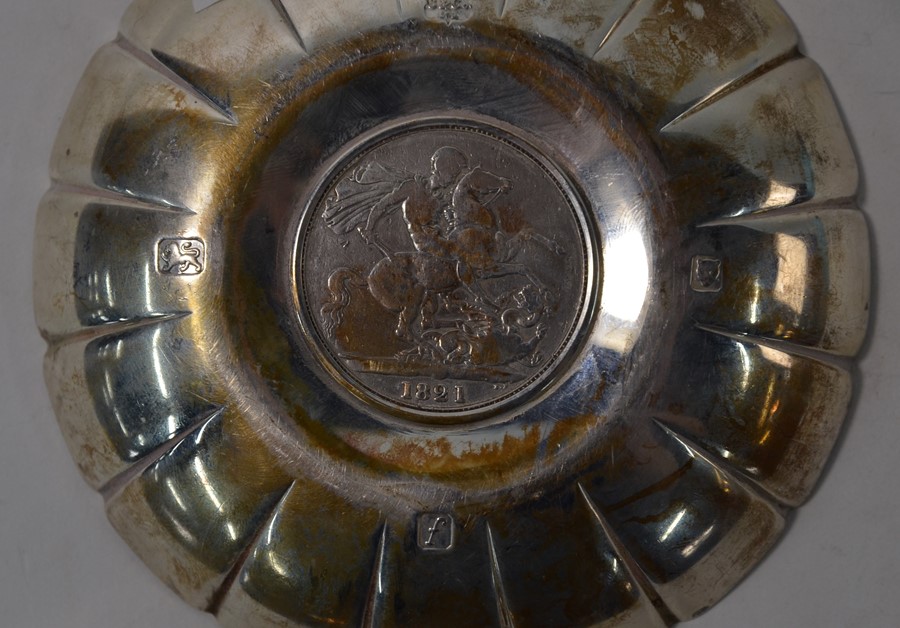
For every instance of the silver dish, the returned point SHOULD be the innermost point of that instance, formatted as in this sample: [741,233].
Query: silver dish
[404,313]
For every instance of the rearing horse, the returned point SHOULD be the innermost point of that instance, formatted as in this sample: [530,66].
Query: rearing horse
[402,283]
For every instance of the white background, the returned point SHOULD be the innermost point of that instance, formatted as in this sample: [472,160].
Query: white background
[61,564]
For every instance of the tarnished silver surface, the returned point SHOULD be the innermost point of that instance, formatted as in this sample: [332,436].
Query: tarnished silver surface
[452,313]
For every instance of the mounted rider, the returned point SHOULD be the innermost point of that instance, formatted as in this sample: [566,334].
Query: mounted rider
[444,211]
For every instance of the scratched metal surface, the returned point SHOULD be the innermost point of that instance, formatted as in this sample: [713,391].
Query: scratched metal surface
[784,486]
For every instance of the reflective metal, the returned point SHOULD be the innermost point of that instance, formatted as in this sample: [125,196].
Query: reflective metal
[444,313]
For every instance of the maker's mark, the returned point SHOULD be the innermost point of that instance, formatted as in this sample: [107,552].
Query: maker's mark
[449,11]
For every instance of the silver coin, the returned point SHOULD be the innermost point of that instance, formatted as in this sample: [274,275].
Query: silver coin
[444,270]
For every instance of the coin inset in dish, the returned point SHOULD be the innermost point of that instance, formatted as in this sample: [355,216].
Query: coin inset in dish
[444,270]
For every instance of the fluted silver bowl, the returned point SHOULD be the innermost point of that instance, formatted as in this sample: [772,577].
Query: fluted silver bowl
[452,313]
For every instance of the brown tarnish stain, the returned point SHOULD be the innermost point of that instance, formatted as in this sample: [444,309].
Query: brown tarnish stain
[308,531]
[572,429]
[178,96]
[69,394]
[192,550]
[677,38]
[436,456]
[662,485]
[276,105]
[778,429]
[581,23]
[781,111]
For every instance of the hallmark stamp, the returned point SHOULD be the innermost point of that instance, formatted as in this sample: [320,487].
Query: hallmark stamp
[449,11]
[706,274]
[181,257]
[436,533]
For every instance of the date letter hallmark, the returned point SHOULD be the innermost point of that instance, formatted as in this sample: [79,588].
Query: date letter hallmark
[706,274]
[436,533]
[181,257]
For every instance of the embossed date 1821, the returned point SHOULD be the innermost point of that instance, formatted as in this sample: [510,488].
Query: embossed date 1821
[435,393]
